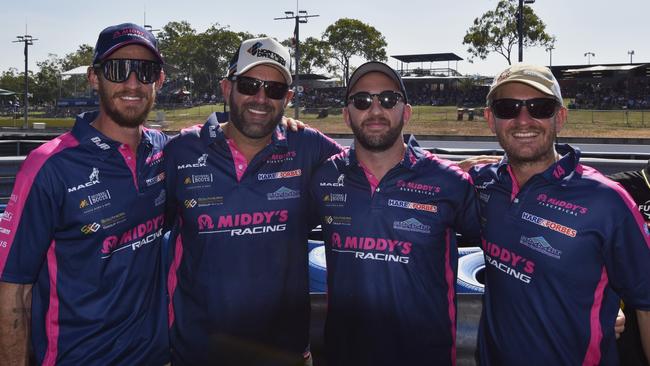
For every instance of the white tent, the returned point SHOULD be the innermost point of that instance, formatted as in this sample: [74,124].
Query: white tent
[81,70]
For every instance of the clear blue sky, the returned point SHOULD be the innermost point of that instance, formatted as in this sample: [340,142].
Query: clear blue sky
[607,28]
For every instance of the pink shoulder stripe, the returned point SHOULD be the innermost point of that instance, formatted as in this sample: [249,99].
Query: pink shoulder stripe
[451,293]
[593,356]
[172,278]
[52,315]
[591,173]
[23,185]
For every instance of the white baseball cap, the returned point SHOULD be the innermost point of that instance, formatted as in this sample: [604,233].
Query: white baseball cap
[261,51]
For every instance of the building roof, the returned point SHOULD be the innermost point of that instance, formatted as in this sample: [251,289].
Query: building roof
[428,57]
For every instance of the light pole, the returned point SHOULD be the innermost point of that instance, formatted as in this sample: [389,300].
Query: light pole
[520,26]
[589,55]
[28,41]
[631,53]
[300,17]
[550,55]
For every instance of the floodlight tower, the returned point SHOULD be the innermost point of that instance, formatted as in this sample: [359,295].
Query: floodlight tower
[300,16]
[589,55]
[520,26]
[28,41]
[631,53]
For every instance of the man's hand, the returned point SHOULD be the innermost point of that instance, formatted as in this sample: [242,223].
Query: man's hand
[15,309]
[293,124]
[619,325]
[467,164]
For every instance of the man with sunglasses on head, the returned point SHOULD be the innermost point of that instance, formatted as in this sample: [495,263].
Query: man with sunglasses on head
[80,238]
[561,241]
[239,278]
[389,212]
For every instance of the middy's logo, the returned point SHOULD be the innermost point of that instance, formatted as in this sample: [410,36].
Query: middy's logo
[92,180]
[201,162]
[256,50]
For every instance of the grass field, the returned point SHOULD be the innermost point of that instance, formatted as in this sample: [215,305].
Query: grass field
[426,120]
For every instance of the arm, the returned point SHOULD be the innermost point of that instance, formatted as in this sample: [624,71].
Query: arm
[643,318]
[15,319]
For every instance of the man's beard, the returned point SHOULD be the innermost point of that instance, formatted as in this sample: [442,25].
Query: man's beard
[377,143]
[129,116]
[251,130]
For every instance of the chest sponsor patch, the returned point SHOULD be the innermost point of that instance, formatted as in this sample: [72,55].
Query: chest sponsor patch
[540,244]
[157,179]
[415,187]
[413,205]
[200,162]
[280,175]
[412,225]
[283,193]
[370,248]
[549,224]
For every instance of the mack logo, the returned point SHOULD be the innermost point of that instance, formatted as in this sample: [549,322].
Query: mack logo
[339,182]
[283,193]
[484,184]
[412,225]
[92,180]
[256,50]
[90,228]
[201,162]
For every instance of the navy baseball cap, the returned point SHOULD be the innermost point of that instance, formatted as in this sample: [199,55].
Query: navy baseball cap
[115,37]
[375,66]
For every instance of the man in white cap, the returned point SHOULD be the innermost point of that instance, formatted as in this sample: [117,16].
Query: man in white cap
[561,241]
[239,279]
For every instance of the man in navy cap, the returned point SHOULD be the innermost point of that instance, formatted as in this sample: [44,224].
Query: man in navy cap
[80,238]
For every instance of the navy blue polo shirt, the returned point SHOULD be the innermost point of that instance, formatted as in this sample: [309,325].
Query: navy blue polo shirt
[84,225]
[392,257]
[559,252]
[239,278]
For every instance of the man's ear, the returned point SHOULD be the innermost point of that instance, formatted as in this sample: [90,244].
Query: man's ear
[93,79]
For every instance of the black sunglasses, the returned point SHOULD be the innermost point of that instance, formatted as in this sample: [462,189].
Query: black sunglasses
[118,70]
[250,86]
[363,100]
[540,108]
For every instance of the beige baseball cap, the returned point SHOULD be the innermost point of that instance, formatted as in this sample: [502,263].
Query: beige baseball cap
[538,77]
[261,51]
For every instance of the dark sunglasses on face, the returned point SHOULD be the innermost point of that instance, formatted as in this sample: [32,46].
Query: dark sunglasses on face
[250,86]
[363,100]
[118,70]
[540,108]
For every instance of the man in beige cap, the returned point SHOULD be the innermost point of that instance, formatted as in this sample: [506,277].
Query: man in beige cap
[239,279]
[561,241]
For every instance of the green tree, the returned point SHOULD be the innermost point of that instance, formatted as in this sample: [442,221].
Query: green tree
[496,31]
[314,54]
[351,37]
[83,56]
[47,80]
